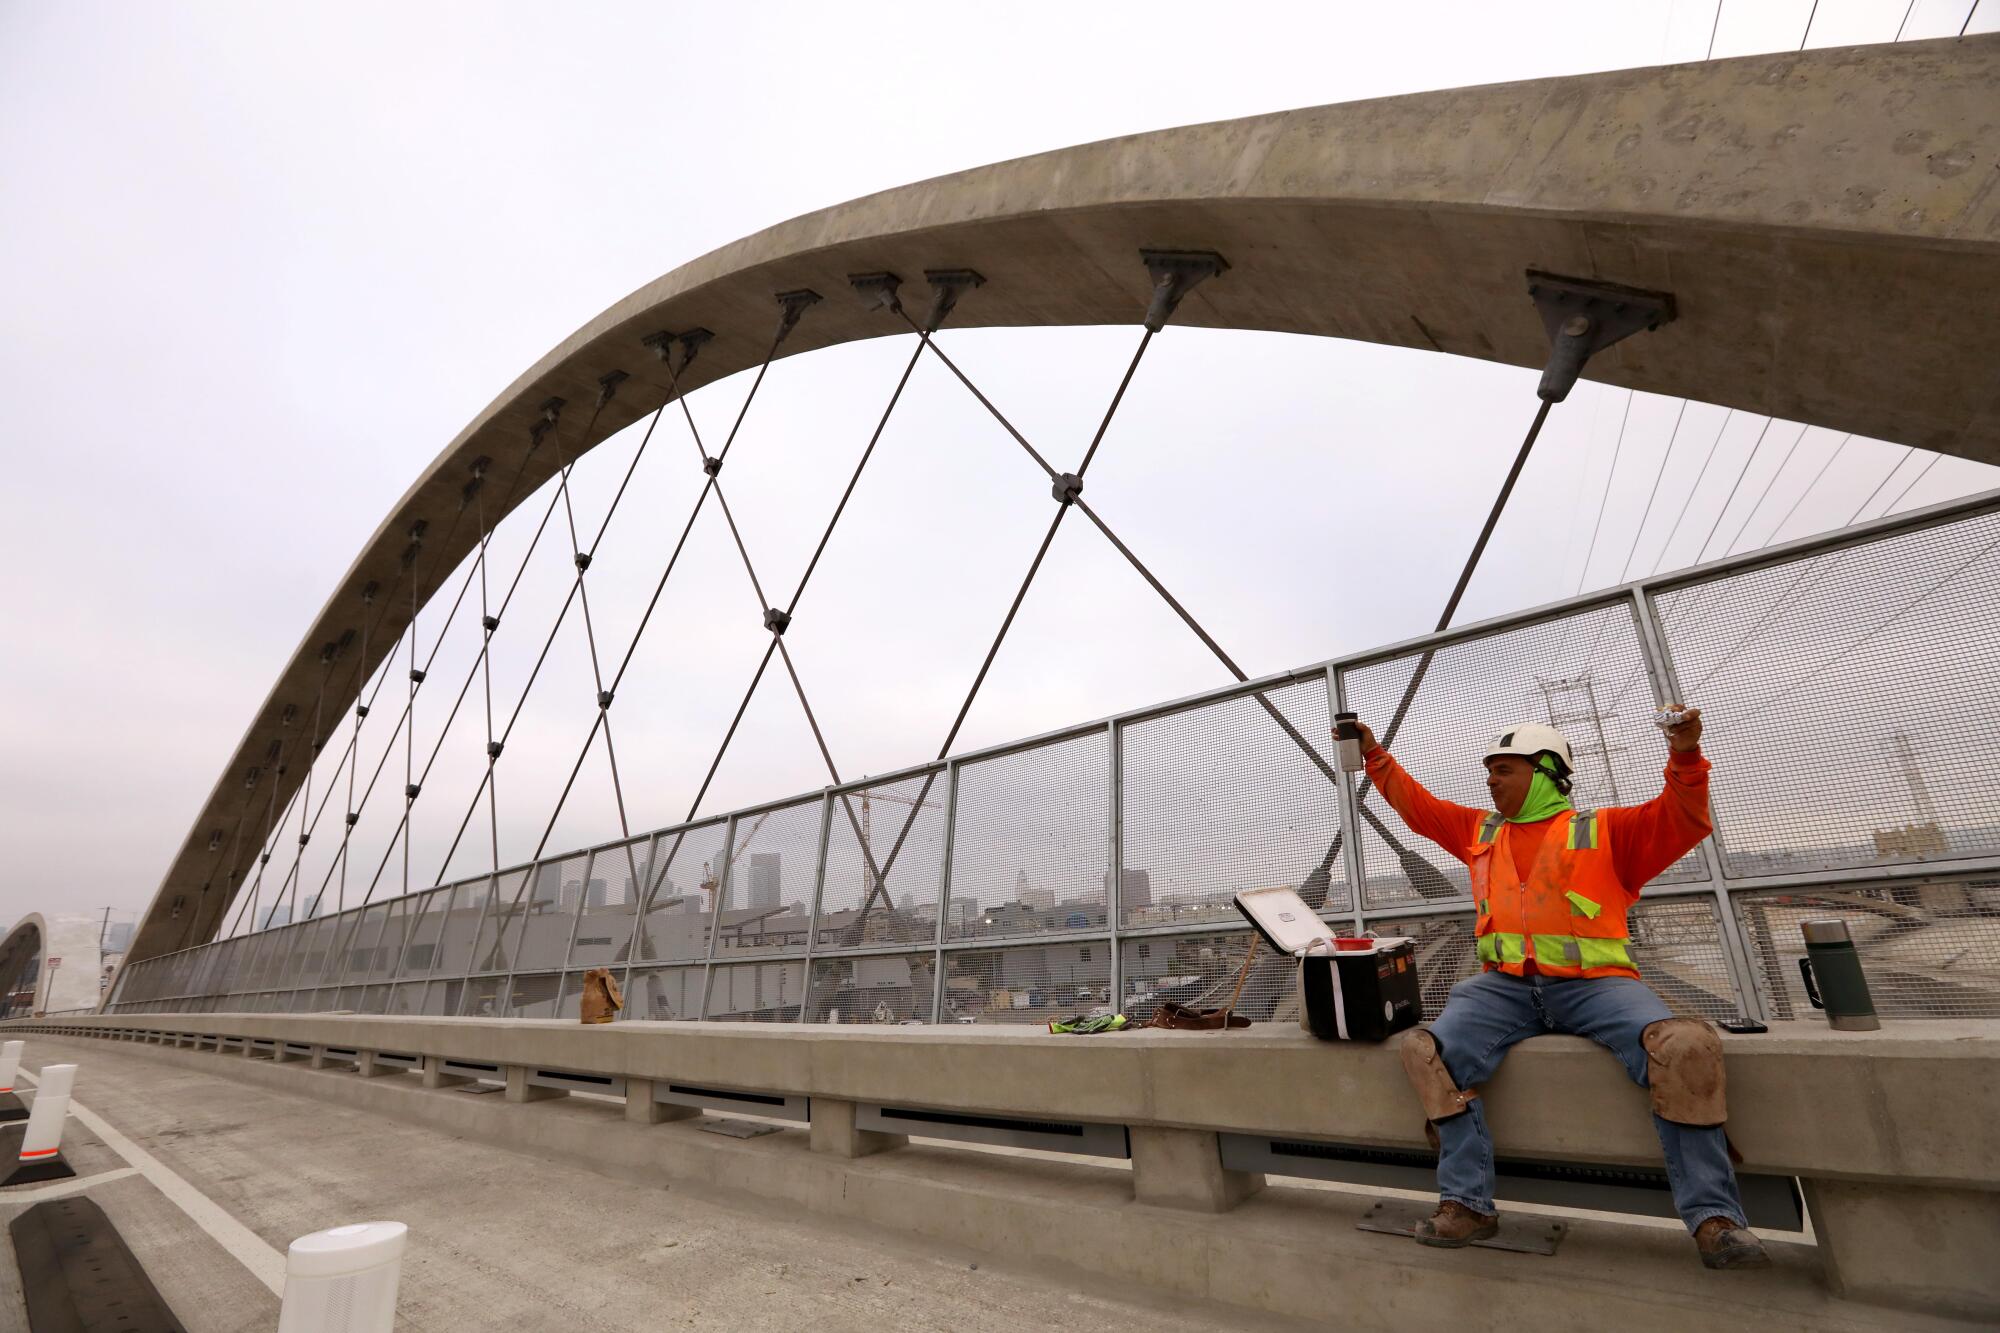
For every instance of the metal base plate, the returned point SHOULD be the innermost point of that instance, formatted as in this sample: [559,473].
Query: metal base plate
[736,1129]
[1522,1235]
[35,1173]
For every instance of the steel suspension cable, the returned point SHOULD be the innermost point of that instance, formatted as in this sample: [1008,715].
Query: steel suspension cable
[486,628]
[1609,477]
[1646,514]
[413,789]
[477,569]
[798,592]
[314,745]
[1810,486]
[1730,499]
[1909,452]
[713,468]
[1425,877]
[785,326]
[1034,565]
[1699,476]
[1730,547]
[1890,508]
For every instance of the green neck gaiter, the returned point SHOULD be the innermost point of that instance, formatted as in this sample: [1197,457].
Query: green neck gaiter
[1544,801]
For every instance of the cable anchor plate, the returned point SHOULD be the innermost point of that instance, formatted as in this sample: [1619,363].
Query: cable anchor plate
[1583,317]
[1175,273]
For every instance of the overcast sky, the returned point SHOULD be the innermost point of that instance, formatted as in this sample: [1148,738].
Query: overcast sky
[261,263]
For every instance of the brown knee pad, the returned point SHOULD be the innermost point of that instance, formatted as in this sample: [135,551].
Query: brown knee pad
[1684,1070]
[1436,1089]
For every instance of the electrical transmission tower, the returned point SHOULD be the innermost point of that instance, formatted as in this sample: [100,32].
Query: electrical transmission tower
[1559,693]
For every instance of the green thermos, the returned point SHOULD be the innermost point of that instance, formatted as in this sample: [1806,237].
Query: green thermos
[1834,981]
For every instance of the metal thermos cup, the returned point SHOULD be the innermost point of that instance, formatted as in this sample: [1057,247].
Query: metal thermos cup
[1831,970]
[1347,730]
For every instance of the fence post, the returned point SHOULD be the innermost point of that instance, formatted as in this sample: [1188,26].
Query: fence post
[722,875]
[1114,896]
[1350,811]
[1667,689]
[944,889]
[812,908]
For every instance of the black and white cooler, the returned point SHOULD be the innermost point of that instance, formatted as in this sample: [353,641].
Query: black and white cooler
[1349,989]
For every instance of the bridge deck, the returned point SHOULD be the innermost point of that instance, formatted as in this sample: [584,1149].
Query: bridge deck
[564,1214]
[506,1240]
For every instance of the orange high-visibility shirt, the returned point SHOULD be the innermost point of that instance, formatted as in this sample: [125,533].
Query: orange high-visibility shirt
[1645,839]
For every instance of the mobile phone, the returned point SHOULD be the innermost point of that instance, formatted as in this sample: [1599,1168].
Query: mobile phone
[1743,1026]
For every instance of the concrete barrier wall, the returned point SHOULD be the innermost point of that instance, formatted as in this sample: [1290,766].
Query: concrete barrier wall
[1891,1134]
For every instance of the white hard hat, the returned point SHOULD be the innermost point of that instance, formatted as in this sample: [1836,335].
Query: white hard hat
[1530,739]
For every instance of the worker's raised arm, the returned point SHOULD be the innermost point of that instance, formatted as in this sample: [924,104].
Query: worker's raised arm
[1646,839]
[1449,825]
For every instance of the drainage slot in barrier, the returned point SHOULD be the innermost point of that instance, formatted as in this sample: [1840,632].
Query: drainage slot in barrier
[1772,1202]
[775,1105]
[1064,1136]
[341,1053]
[573,1082]
[399,1059]
[473,1069]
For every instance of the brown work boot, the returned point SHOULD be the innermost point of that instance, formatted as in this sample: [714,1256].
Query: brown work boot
[1723,1244]
[1454,1226]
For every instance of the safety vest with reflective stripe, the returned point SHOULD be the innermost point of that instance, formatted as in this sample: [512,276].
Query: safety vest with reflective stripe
[1569,916]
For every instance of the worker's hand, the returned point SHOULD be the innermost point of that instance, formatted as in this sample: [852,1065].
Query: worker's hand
[1368,741]
[1686,736]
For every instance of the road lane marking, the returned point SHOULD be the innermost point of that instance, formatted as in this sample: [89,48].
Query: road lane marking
[264,1260]
[62,1187]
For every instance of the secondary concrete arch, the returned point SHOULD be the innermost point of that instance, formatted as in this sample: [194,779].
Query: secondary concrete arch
[1827,220]
[29,984]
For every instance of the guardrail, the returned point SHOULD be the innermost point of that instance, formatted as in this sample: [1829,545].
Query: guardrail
[1889,1135]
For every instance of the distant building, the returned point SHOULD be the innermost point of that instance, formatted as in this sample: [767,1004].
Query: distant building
[1030,896]
[1138,886]
[766,880]
[277,914]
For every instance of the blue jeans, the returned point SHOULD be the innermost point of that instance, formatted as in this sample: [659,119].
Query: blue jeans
[1489,1013]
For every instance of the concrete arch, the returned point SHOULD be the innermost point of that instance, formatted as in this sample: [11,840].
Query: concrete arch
[1828,221]
[27,950]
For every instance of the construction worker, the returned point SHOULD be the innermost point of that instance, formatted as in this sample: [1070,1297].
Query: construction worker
[1551,885]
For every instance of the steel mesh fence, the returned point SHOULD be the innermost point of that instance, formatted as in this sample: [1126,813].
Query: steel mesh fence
[858,910]
[764,910]
[1221,797]
[1201,971]
[764,992]
[1026,983]
[1843,687]
[877,988]
[686,873]
[1928,950]
[1848,697]
[610,912]
[1031,841]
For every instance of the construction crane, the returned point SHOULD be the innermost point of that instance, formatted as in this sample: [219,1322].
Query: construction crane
[867,799]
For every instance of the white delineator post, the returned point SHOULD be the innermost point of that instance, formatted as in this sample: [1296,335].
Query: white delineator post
[41,1142]
[344,1280]
[10,1064]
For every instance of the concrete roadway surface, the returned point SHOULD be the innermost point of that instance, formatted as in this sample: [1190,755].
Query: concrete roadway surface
[210,1179]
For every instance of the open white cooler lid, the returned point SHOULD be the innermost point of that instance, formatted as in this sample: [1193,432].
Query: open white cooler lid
[1293,928]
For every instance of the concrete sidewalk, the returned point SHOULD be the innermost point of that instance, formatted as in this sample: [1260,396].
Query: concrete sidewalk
[501,1239]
